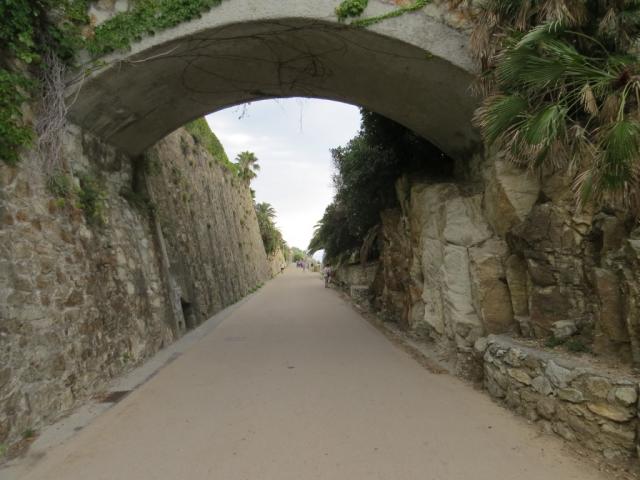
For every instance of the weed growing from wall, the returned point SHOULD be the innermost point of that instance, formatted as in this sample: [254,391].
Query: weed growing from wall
[85,193]
[91,198]
[351,8]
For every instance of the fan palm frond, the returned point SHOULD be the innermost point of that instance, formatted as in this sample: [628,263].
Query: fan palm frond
[498,114]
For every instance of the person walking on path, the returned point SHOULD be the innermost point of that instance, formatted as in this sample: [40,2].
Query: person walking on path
[326,273]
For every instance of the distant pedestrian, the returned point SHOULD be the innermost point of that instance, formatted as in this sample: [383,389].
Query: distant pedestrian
[326,273]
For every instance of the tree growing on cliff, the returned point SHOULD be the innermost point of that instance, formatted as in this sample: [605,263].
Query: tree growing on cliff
[265,210]
[366,172]
[247,164]
[332,234]
[271,235]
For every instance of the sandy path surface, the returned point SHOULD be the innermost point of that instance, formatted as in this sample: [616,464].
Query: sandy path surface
[296,385]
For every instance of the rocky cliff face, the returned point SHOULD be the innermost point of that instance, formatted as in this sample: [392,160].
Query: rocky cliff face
[502,258]
[508,254]
[84,299]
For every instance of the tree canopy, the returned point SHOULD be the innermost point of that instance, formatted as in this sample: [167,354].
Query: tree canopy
[247,166]
[271,235]
[366,171]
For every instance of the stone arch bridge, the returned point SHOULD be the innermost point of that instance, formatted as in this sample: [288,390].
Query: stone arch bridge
[415,69]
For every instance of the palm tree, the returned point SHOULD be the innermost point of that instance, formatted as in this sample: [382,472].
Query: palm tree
[266,210]
[562,90]
[271,236]
[248,167]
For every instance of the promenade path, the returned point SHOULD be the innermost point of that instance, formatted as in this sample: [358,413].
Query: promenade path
[295,385]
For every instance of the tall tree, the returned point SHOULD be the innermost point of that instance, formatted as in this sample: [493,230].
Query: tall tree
[266,209]
[247,164]
[271,236]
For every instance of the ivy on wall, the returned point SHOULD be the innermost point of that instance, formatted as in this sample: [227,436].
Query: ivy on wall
[417,5]
[28,28]
[146,17]
[14,91]
[354,8]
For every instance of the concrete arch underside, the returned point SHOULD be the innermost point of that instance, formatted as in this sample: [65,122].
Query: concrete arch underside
[413,69]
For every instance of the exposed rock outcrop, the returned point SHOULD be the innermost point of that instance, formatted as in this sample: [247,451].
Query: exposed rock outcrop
[501,252]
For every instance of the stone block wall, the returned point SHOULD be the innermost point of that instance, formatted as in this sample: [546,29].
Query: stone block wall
[80,301]
[208,222]
[592,406]
[276,262]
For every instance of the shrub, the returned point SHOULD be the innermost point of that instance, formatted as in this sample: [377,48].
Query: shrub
[91,199]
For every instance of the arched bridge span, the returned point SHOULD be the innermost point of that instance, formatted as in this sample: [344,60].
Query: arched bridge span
[414,69]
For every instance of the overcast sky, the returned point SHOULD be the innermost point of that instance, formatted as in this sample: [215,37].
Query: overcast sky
[291,138]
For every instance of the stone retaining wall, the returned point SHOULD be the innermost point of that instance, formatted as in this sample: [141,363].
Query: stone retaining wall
[593,407]
[81,301]
[207,219]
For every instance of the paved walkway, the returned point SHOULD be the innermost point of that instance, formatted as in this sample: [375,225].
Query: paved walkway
[295,385]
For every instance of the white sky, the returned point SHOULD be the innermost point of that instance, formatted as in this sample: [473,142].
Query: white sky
[291,138]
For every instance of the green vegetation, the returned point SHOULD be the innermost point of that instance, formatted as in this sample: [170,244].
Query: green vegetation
[271,236]
[91,199]
[28,29]
[89,196]
[145,18]
[297,254]
[138,200]
[367,169]
[31,28]
[576,345]
[573,344]
[553,341]
[29,433]
[203,135]
[247,166]
[14,91]
[562,90]
[351,8]
[354,8]
[366,22]
[61,186]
